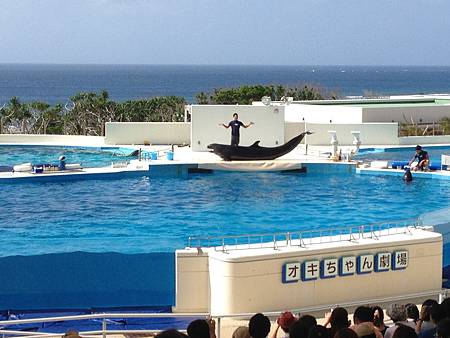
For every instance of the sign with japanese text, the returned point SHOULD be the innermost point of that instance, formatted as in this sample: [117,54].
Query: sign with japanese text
[332,267]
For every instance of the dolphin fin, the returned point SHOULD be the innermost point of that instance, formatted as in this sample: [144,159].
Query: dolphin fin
[256,144]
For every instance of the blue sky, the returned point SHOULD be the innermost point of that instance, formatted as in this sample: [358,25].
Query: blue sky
[279,32]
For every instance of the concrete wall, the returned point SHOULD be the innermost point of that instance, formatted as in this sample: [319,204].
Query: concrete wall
[147,132]
[414,140]
[70,140]
[323,114]
[268,128]
[371,133]
[404,114]
[248,281]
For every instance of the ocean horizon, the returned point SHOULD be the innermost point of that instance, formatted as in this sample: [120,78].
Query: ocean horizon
[56,83]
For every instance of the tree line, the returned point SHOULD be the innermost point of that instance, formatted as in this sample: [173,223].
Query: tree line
[86,113]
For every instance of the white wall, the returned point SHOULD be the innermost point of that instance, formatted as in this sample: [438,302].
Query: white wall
[404,114]
[371,133]
[70,140]
[323,113]
[147,132]
[205,129]
[414,140]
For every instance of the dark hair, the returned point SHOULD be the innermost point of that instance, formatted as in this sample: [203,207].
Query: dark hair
[339,318]
[418,147]
[437,313]
[380,319]
[446,307]
[300,329]
[403,331]
[412,311]
[171,333]
[318,331]
[259,326]
[345,333]
[426,308]
[363,314]
[443,328]
[235,114]
[199,328]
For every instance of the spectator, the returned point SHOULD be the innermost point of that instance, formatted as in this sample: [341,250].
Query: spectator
[397,313]
[241,332]
[301,327]
[424,323]
[198,329]
[285,321]
[336,320]
[403,331]
[378,319]
[318,331]
[171,333]
[363,323]
[345,333]
[436,314]
[446,307]
[412,312]
[443,329]
[259,326]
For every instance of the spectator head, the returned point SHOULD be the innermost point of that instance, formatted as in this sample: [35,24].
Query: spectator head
[345,333]
[172,333]
[72,334]
[403,331]
[363,314]
[259,326]
[412,312]
[443,328]
[199,328]
[378,316]
[396,312]
[339,318]
[318,331]
[286,320]
[241,332]
[436,313]
[301,327]
[426,308]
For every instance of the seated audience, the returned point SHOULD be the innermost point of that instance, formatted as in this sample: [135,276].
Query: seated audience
[241,332]
[412,313]
[403,331]
[259,326]
[171,333]
[397,313]
[285,321]
[363,323]
[378,319]
[443,328]
[436,314]
[336,320]
[200,328]
[318,331]
[424,323]
[345,333]
[301,327]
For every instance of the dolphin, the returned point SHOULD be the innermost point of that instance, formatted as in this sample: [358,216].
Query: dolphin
[407,176]
[255,151]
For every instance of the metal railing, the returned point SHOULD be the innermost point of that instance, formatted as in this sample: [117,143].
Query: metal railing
[304,238]
[105,318]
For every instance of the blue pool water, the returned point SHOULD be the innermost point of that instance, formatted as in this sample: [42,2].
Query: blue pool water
[139,215]
[88,156]
[402,153]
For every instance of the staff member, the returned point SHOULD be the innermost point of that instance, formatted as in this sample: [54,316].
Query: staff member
[235,124]
[422,158]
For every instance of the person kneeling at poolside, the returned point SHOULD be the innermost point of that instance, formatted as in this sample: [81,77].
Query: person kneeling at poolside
[422,159]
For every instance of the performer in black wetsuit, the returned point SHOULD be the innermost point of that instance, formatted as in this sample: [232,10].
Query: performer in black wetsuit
[235,124]
[422,159]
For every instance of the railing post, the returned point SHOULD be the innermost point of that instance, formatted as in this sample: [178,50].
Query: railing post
[104,328]
[218,327]
[441,296]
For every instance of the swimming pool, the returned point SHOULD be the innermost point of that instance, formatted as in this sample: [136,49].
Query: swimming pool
[401,153]
[89,156]
[139,215]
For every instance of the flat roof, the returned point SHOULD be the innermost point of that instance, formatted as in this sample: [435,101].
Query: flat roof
[380,103]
